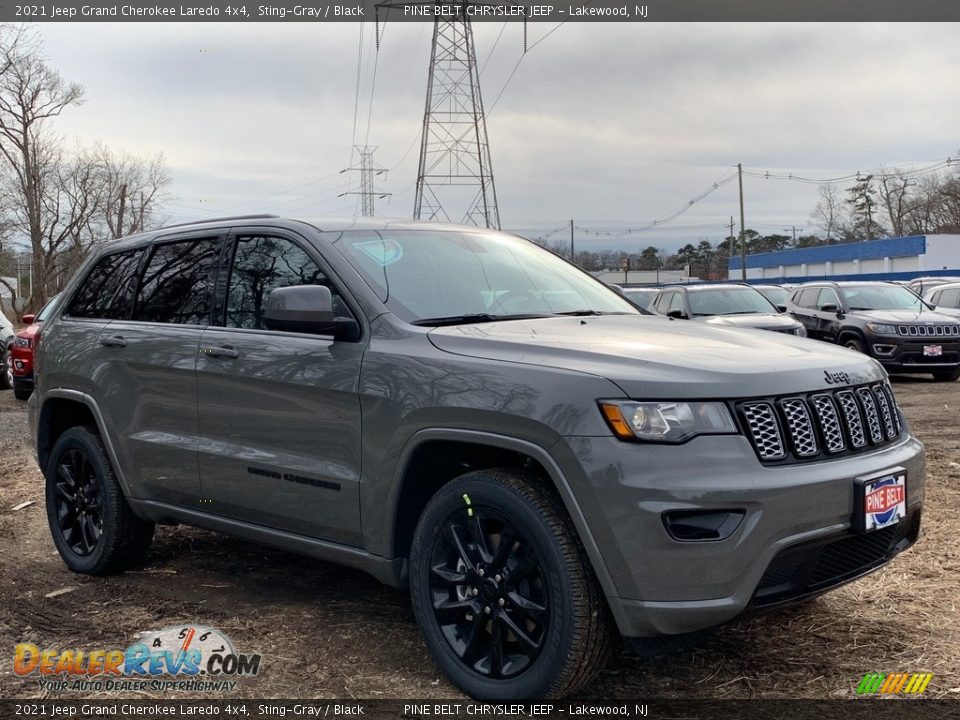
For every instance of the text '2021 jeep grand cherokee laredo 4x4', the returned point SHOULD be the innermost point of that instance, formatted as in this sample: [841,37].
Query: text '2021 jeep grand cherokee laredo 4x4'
[464,412]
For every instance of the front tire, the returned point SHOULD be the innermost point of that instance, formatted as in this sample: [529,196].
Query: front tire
[503,592]
[22,390]
[93,527]
[947,375]
[852,342]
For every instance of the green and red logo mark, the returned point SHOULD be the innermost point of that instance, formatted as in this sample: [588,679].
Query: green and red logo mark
[894,683]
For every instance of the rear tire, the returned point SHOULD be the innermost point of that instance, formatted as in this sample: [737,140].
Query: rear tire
[503,592]
[6,377]
[947,375]
[93,527]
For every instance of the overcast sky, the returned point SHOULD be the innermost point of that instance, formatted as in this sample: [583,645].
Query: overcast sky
[611,124]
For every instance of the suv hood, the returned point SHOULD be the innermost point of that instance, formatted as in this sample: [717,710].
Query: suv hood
[661,358]
[765,321]
[903,316]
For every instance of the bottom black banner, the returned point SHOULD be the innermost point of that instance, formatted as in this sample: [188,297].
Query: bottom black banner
[856,709]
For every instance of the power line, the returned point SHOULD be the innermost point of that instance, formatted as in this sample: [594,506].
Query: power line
[851,177]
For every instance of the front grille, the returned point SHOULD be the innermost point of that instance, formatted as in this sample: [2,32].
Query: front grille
[807,427]
[812,567]
[929,330]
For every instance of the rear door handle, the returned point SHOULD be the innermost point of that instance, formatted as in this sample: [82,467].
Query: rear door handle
[115,341]
[220,352]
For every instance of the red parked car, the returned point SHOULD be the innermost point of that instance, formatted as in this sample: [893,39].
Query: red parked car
[20,358]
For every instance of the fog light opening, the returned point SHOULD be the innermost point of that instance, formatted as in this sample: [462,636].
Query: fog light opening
[884,349]
[702,525]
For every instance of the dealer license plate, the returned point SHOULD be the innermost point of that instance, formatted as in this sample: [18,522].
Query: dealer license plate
[884,501]
[932,350]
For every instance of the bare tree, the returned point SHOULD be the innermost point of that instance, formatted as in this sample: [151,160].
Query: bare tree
[898,200]
[830,213]
[31,93]
[134,190]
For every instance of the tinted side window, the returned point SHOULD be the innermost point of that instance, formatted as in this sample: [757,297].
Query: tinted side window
[177,283]
[676,302]
[107,291]
[827,297]
[949,298]
[806,298]
[262,264]
[663,302]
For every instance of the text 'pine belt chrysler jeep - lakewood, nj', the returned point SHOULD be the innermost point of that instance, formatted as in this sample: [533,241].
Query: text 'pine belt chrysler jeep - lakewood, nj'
[464,413]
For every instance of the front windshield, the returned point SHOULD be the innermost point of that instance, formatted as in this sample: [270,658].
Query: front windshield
[643,298]
[728,301]
[776,295]
[47,309]
[881,297]
[424,275]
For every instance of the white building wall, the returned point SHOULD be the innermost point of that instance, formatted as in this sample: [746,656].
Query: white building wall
[943,252]
[909,263]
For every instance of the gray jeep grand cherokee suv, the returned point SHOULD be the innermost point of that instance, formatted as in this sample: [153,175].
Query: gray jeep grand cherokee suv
[461,412]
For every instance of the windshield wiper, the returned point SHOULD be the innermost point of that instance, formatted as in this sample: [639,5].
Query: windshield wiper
[580,313]
[473,318]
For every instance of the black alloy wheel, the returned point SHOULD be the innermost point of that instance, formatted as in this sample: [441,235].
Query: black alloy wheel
[503,591]
[79,507]
[489,592]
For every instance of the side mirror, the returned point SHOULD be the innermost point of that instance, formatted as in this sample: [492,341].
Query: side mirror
[829,308]
[301,308]
[617,289]
[676,314]
[782,308]
[28,319]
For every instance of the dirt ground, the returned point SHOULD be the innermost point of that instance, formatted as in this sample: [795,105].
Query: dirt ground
[325,631]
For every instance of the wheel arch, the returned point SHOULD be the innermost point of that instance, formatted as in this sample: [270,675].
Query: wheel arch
[408,498]
[62,409]
[855,332]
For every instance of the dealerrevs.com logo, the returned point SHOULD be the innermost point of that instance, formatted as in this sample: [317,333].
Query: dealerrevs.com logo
[188,657]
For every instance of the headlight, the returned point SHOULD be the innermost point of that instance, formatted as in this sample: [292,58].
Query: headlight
[22,342]
[881,328]
[800,331]
[666,421]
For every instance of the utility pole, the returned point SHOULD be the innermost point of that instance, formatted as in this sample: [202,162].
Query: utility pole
[794,229]
[730,252]
[573,255]
[368,171]
[743,238]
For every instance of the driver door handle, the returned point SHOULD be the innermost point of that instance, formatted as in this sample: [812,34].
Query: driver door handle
[114,341]
[221,351]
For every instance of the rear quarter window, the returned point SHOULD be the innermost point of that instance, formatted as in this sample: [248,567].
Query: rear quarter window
[107,290]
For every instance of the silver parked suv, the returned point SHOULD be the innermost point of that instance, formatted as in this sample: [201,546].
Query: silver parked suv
[461,412]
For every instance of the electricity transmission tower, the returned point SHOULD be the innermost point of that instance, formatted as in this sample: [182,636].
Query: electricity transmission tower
[455,170]
[368,172]
[454,151]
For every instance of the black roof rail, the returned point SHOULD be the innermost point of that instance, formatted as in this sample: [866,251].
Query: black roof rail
[260,216]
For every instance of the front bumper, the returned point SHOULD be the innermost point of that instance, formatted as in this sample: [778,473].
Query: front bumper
[906,355]
[663,586]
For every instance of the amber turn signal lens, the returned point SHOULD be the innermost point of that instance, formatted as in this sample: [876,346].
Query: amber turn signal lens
[616,421]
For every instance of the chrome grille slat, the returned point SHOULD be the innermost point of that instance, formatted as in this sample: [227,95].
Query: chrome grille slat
[821,424]
[873,415]
[854,422]
[829,420]
[886,414]
[800,427]
[764,430]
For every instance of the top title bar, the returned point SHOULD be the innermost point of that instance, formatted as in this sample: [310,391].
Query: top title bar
[485,10]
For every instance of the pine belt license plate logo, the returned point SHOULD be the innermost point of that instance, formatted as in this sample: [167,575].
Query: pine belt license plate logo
[884,501]
[932,350]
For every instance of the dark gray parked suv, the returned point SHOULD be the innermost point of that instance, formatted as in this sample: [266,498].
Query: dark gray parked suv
[461,412]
